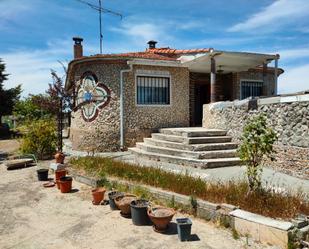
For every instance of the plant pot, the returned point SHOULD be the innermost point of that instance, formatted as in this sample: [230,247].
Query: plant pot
[111,196]
[59,156]
[123,203]
[98,195]
[139,212]
[60,173]
[58,184]
[42,174]
[65,184]
[161,217]
[184,228]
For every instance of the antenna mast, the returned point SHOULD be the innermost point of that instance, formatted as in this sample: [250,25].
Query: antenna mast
[100,9]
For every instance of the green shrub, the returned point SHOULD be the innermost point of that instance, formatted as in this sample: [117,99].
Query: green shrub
[257,143]
[40,138]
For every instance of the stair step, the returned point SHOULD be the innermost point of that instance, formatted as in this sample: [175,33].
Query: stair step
[193,132]
[202,163]
[191,147]
[191,140]
[187,153]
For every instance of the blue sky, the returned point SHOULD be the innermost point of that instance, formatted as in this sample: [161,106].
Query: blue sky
[35,34]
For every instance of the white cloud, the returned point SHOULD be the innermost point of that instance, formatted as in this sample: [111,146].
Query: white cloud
[296,53]
[294,79]
[144,31]
[31,68]
[275,15]
[12,10]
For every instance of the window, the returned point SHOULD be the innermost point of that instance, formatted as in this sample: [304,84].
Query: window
[153,90]
[251,89]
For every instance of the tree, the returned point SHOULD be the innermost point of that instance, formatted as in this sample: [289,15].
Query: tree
[257,143]
[8,97]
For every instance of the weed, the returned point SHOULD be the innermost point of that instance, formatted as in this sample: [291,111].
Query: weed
[265,201]
[235,234]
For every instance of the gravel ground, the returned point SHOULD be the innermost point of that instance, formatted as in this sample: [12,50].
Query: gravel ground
[32,217]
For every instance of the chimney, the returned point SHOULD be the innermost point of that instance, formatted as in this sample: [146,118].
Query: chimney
[78,47]
[152,44]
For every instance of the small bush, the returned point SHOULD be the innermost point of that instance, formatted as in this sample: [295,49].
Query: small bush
[40,138]
[257,143]
[265,202]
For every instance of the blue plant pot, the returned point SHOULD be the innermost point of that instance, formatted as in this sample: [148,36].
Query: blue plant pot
[184,228]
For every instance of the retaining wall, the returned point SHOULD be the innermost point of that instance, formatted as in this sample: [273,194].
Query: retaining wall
[287,115]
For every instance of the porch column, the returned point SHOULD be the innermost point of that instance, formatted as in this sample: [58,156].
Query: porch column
[213,94]
[265,93]
[276,74]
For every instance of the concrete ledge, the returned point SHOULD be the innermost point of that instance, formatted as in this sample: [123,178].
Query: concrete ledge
[282,225]
[261,228]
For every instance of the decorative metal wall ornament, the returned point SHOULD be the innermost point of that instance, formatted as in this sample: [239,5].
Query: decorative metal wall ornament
[91,97]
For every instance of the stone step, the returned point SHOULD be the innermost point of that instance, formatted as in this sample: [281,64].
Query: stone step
[193,132]
[201,163]
[191,147]
[187,153]
[191,140]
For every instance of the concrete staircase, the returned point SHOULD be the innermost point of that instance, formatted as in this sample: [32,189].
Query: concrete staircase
[195,147]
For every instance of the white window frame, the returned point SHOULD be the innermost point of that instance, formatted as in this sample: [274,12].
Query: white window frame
[248,80]
[156,74]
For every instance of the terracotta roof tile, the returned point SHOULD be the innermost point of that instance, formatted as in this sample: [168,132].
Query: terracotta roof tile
[140,55]
[172,51]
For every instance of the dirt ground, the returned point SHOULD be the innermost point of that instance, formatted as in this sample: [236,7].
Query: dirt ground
[9,146]
[33,217]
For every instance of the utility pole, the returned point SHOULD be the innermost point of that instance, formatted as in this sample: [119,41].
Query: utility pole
[101,10]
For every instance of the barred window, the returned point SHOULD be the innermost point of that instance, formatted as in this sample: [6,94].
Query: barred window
[251,89]
[153,90]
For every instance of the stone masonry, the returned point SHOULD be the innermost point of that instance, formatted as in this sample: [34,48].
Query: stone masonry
[103,134]
[288,116]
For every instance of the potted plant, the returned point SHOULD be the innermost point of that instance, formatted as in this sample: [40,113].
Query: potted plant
[98,195]
[42,174]
[123,203]
[161,217]
[65,184]
[58,174]
[59,156]
[184,228]
[139,212]
[111,196]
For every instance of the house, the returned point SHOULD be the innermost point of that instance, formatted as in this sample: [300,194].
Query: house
[121,98]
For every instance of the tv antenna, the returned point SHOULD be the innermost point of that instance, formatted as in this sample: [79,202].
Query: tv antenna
[101,10]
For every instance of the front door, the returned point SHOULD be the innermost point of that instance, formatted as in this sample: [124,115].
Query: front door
[202,96]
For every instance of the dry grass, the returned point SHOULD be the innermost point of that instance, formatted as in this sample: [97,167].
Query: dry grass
[265,202]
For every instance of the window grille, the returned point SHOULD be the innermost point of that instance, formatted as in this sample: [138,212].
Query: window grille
[153,90]
[251,89]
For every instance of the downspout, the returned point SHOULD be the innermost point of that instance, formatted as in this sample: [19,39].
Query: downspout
[122,105]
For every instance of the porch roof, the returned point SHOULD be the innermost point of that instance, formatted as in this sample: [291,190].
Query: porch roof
[226,61]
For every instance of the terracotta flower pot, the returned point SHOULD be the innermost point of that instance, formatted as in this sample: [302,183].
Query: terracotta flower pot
[59,156]
[161,217]
[60,173]
[58,184]
[123,203]
[98,195]
[65,184]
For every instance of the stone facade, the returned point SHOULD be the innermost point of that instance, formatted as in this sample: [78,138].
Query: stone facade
[103,134]
[288,116]
[141,121]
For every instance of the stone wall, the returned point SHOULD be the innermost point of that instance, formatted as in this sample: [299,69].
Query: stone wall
[103,134]
[141,121]
[288,116]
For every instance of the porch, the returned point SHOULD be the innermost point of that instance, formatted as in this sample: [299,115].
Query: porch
[215,76]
